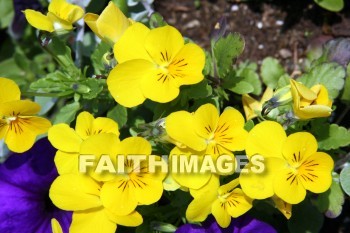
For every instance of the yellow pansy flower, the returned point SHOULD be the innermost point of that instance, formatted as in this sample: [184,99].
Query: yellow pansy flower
[60,17]
[223,202]
[110,25]
[68,140]
[284,207]
[205,130]
[310,103]
[252,107]
[18,127]
[292,164]
[81,194]
[124,190]
[153,64]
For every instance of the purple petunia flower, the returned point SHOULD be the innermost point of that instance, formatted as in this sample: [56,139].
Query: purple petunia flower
[25,181]
[243,224]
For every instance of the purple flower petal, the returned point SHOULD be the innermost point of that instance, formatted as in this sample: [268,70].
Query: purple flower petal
[243,224]
[25,180]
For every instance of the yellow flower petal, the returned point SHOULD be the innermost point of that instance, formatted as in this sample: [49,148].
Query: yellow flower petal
[227,188]
[92,221]
[220,214]
[39,21]
[237,203]
[260,185]
[288,186]
[9,90]
[316,172]
[83,126]
[250,105]
[205,120]
[159,86]
[180,126]
[284,207]
[298,89]
[131,220]
[56,227]
[101,144]
[187,65]
[131,45]
[87,125]
[163,44]
[134,146]
[124,81]
[298,147]
[200,207]
[112,23]
[91,20]
[190,180]
[65,10]
[64,138]
[230,132]
[3,128]
[150,193]
[67,162]
[119,197]
[259,139]
[19,108]
[22,132]
[75,192]
[314,111]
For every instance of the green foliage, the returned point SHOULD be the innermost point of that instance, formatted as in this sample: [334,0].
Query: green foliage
[6,12]
[331,75]
[97,58]
[67,113]
[157,20]
[346,92]
[331,202]
[305,218]
[119,114]
[331,5]
[271,72]
[345,179]
[225,50]
[330,136]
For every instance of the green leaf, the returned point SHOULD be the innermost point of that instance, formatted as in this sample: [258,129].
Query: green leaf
[271,71]
[6,12]
[63,56]
[250,76]
[331,136]
[119,114]
[242,87]
[97,58]
[53,83]
[346,91]
[283,81]
[92,88]
[249,125]
[67,113]
[345,179]
[157,20]
[331,202]
[331,5]
[9,69]
[331,75]
[208,64]
[225,50]
[305,218]
[197,91]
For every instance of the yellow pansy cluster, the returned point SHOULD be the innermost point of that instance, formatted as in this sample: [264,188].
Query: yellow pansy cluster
[100,201]
[153,64]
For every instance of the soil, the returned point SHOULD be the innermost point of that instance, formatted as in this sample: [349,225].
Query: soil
[281,29]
